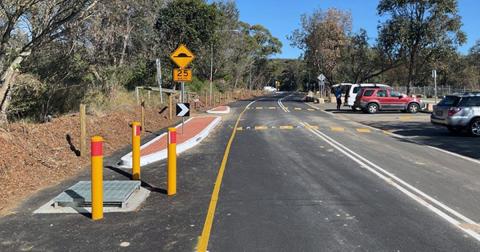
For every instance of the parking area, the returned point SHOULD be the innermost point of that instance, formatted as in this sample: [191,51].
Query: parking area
[413,127]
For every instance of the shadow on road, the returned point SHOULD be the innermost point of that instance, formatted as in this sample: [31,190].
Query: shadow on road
[428,134]
[144,183]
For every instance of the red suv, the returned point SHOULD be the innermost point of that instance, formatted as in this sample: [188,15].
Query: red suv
[371,100]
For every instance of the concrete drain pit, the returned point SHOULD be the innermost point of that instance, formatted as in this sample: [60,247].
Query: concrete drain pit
[118,196]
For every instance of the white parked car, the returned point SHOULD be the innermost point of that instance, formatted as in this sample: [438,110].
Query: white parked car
[269,89]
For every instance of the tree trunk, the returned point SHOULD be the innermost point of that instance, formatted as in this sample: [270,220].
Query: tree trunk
[7,81]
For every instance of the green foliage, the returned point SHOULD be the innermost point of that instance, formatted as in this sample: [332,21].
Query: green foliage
[418,31]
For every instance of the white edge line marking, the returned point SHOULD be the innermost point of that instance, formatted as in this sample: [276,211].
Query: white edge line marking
[410,139]
[371,167]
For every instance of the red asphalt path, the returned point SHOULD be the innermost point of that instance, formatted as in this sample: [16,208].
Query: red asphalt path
[190,129]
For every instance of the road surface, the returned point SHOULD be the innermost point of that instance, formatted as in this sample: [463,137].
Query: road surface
[279,175]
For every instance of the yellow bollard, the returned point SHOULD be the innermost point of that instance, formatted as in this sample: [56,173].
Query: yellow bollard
[172,162]
[136,132]
[97,177]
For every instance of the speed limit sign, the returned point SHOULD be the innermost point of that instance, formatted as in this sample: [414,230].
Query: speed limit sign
[182,75]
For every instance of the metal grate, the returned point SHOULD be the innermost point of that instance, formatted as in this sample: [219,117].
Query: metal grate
[115,194]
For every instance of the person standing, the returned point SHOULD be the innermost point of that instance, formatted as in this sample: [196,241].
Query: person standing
[338,95]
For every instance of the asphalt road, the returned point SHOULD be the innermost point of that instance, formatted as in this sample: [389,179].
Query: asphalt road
[297,189]
[295,178]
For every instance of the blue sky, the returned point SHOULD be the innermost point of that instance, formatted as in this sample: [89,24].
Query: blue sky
[281,17]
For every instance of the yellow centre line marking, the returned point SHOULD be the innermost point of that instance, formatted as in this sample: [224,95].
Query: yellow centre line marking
[298,108]
[311,109]
[286,127]
[259,107]
[239,128]
[272,107]
[261,127]
[207,227]
[364,130]
[338,129]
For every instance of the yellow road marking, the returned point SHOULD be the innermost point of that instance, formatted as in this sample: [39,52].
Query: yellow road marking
[259,107]
[274,127]
[311,109]
[405,118]
[311,127]
[272,107]
[239,128]
[298,108]
[286,127]
[261,127]
[338,129]
[207,227]
[364,130]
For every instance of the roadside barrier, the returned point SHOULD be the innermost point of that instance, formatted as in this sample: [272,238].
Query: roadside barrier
[172,162]
[97,177]
[136,132]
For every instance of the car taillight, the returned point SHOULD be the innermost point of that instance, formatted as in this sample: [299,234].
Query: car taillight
[453,111]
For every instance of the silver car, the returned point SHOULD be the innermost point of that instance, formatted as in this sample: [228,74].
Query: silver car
[458,112]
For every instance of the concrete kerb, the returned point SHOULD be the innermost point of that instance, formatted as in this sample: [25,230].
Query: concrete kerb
[126,161]
[213,111]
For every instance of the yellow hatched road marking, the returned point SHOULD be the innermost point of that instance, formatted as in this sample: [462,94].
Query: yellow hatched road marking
[364,130]
[338,129]
[261,127]
[286,127]
[405,118]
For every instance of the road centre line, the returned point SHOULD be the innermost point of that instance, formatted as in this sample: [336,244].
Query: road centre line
[401,185]
[281,104]
[207,226]
[286,127]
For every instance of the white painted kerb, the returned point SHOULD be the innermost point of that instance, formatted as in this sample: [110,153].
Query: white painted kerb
[126,161]
[212,111]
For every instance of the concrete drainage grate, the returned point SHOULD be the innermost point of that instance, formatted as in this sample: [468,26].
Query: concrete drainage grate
[115,194]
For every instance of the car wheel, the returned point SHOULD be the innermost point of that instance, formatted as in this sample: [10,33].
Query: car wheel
[475,127]
[372,108]
[354,108]
[413,108]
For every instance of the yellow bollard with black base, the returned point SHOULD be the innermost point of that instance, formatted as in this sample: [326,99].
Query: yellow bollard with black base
[97,177]
[136,132]
[172,162]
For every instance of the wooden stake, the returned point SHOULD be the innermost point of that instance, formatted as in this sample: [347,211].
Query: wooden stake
[142,126]
[83,131]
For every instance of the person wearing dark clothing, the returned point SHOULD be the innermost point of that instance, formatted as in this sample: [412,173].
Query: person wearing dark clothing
[338,95]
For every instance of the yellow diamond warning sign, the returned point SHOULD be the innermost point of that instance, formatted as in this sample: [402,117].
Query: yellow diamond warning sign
[182,56]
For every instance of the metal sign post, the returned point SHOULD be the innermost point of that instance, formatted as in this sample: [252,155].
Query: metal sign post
[159,78]
[182,57]
[183,101]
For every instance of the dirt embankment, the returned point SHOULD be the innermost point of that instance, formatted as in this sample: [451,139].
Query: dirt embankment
[34,156]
